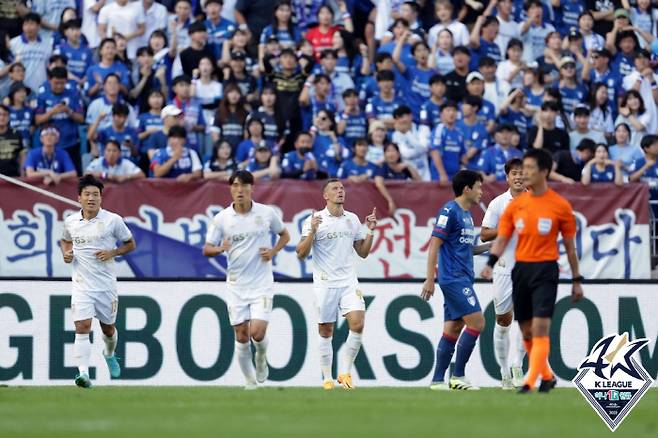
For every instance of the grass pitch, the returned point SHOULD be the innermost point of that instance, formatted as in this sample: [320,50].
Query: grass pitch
[192,412]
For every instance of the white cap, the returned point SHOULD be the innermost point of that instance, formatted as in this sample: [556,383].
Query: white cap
[474,75]
[170,110]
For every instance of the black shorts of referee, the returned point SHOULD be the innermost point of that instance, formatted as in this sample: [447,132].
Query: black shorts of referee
[534,289]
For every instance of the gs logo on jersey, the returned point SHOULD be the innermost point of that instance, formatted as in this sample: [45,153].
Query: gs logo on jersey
[611,380]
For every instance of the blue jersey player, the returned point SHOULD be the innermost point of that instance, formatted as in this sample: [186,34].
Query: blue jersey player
[453,242]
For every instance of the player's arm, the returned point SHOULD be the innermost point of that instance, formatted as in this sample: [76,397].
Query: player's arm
[572,257]
[304,246]
[488,234]
[362,247]
[67,250]
[480,249]
[268,254]
[432,260]
[128,246]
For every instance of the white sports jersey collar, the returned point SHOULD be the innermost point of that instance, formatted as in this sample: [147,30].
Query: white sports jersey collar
[98,216]
[326,212]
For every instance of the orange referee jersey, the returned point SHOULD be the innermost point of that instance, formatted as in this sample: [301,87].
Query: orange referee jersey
[537,221]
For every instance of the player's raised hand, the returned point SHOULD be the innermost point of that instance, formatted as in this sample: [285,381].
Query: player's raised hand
[266,254]
[371,219]
[487,272]
[225,246]
[428,290]
[104,256]
[68,256]
[316,220]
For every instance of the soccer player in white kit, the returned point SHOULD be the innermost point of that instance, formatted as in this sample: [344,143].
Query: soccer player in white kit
[242,230]
[505,333]
[89,244]
[333,235]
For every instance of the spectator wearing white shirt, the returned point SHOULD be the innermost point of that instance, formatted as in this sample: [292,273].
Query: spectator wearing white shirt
[51,14]
[508,28]
[412,148]
[125,18]
[461,35]
[90,10]
[155,17]
[645,81]
[534,31]
[112,167]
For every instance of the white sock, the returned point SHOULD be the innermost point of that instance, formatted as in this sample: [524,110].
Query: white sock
[518,349]
[110,343]
[82,350]
[501,348]
[244,359]
[326,357]
[350,350]
[261,349]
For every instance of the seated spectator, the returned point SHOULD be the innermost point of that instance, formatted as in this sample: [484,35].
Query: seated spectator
[176,160]
[448,148]
[300,163]
[247,147]
[546,135]
[266,113]
[514,111]
[321,37]
[601,168]
[48,161]
[600,118]
[412,147]
[238,74]
[493,159]
[568,164]
[482,39]
[381,105]
[534,31]
[264,165]
[441,53]
[171,116]
[21,115]
[193,119]
[475,132]
[108,63]
[582,129]
[633,112]
[150,121]
[231,116]
[327,147]
[101,107]
[475,87]
[340,81]
[622,149]
[112,166]
[430,110]
[352,122]
[571,91]
[220,166]
[78,55]
[119,131]
[511,71]
[377,138]
[646,168]
[395,168]
[12,151]
[147,78]
[456,79]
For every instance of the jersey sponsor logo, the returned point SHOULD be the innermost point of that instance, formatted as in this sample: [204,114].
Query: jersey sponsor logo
[544,225]
[442,221]
[340,235]
[611,380]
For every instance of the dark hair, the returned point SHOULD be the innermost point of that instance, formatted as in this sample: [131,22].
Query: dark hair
[385,75]
[486,61]
[419,44]
[114,142]
[219,2]
[58,73]
[32,16]
[349,45]
[489,20]
[177,131]
[58,57]
[350,92]
[513,42]
[361,141]
[89,180]
[332,118]
[289,24]
[648,140]
[181,78]
[5,52]
[111,75]
[402,21]
[250,121]
[512,163]
[381,57]
[120,109]
[436,78]
[543,159]
[74,23]
[5,108]
[634,93]
[550,105]
[321,76]
[592,98]
[244,176]
[329,181]
[530,3]
[587,143]
[390,144]
[448,104]
[473,101]
[106,41]
[224,110]
[300,133]
[461,49]
[465,178]
[400,111]
[146,50]
[197,26]
[328,52]
[159,33]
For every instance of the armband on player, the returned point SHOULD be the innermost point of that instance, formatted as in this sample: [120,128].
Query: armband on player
[493,259]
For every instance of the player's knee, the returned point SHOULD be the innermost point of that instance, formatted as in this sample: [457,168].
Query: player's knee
[504,320]
[357,326]
[83,326]
[326,331]
[258,335]
[108,330]
[477,324]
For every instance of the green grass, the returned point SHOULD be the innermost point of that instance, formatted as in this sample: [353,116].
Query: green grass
[191,412]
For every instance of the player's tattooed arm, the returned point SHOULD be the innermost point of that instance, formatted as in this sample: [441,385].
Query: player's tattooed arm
[432,260]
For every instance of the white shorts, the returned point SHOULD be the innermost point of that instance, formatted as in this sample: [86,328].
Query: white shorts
[101,305]
[247,305]
[502,290]
[330,300]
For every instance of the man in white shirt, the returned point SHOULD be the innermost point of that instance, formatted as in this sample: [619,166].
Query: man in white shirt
[502,281]
[334,235]
[155,17]
[112,167]
[88,244]
[413,142]
[125,18]
[508,28]
[32,50]
[242,231]
[533,31]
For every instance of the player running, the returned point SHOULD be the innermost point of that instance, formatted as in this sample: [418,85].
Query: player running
[537,216]
[242,230]
[453,242]
[504,332]
[88,243]
[333,235]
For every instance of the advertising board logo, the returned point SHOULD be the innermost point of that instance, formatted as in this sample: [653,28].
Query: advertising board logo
[611,380]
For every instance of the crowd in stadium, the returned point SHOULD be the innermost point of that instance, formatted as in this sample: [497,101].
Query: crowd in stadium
[310,89]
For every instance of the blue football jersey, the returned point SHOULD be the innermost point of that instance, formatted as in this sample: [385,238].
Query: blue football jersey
[454,226]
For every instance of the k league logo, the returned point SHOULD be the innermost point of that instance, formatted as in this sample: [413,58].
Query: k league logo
[610,378]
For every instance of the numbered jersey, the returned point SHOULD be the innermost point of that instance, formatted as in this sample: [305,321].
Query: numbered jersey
[333,248]
[247,233]
[100,233]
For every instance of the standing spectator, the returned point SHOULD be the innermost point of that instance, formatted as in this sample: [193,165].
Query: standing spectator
[329,151]
[206,88]
[51,13]
[219,29]
[282,27]
[545,134]
[598,70]
[61,106]
[592,40]
[534,31]
[193,119]
[483,36]
[475,87]
[300,163]
[643,80]
[247,147]
[430,110]
[6,63]
[493,159]
[90,10]
[508,27]
[646,168]
[571,91]
[339,81]
[12,152]
[510,72]
[126,18]
[448,149]
[102,106]
[514,112]
[600,118]
[32,50]
[456,79]
[238,75]
[474,132]
[441,53]
[179,23]
[266,113]
[51,163]
[231,116]
[377,140]
[21,115]
[156,17]
[446,16]
[176,160]
[78,55]
[119,131]
[147,79]
[381,106]
[315,97]
[622,149]
[11,12]
[253,16]
[112,166]
[352,122]
[602,169]
[400,29]
[410,143]
[108,64]
[321,37]
[634,113]
[220,166]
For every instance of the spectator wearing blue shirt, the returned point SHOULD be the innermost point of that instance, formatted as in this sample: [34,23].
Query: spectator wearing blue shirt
[571,91]
[21,116]
[646,168]
[109,63]
[430,110]
[61,106]
[351,122]
[102,105]
[597,70]
[623,150]
[447,148]
[567,14]
[625,46]
[78,55]
[417,76]
[282,27]
[368,86]
[316,96]
[193,119]
[245,151]
[395,168]
[151,121]
[300,163]
[340,81]
[514,111]
[220,166]
[176,161]
[266,113]
[171,116]
[483,38]
[474,132]
[400,29]
[49,162]
[264,165]
[328,149]
[493,159]
[475,87]
[602,169]
[219,28]
[118,131]
[382,105]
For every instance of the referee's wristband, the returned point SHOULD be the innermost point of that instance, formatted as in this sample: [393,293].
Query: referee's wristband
[493,259]
[578,279]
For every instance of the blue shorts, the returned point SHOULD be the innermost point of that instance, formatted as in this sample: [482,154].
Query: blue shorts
[459,299]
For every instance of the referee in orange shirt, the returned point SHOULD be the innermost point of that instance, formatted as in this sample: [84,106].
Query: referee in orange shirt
[537,216]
